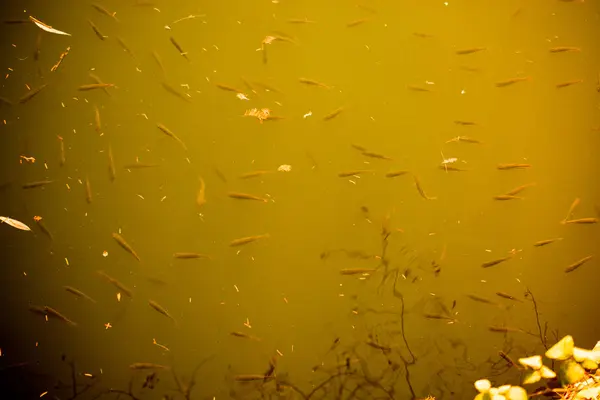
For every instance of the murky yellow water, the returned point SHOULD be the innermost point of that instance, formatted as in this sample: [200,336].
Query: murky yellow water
[402,89]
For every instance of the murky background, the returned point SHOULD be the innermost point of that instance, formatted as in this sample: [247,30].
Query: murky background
[387,92]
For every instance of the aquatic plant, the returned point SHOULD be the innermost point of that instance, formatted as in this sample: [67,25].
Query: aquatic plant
[577,375]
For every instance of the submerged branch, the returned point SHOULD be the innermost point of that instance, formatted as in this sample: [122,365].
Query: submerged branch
[537,319]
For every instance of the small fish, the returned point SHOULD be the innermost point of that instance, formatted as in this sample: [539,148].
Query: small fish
[420,189]
[116,283]
[315,164]
[244,336]
[167,132]
[249,86]
[47,27]
[94,86]
[358,147]
[393,174]
[248,239]
[471,50]
[39,310]
[439,317]
[505,329]
[5,101]
[159,62]
[578,264]
[124,46]
[415,88]
[139,165]
[78,293]
[51,312]
[38,47]
[512,81]
[519,189]
[370,154]
[160,309]
[465,123]
[142,365]
[15,224]
[104,11]
[496,262]
[377,346]
[251,378]
[16,21]
[546,242]
[504,197]
[357,271]
[175,92]
[267,88]
[469,68]
[564,49]
[481,299]
[357,22]
[179,49]
[450,167]
[111,165]
[354,172]
[220,174]
[312,82]
[190,256]
[280,36]
[422,35]
[356,254]
[156,281]
[589,220]
[96,79]
[88,191]
[97,31]
[270,117]
[333,114]
[63,155]
[201,196]
[513,166]
[574,205]
[97,120]
[254,174]
[40,223]
[227,88]
[270,372]
[125,246]
[300,21]
[191,16]
[36,184]
[507,296]
[568,83]
[246,196]
[465,139]
[31,94]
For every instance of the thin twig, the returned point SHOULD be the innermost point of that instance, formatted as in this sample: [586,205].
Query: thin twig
[128,393]
[537,319]
[187,390]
